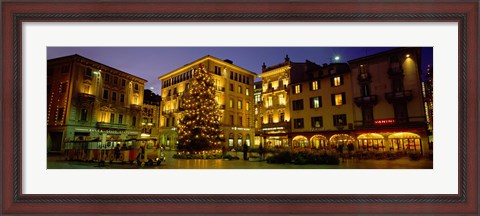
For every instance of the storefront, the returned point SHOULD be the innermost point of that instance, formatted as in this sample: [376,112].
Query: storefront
[340,139]
[300,142]
[371,142]
[319,142]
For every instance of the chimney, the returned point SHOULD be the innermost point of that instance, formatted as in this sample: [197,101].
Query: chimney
[228,61]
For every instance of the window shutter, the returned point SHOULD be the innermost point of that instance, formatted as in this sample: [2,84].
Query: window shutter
[341,80]
[333,99]
[331,81]
[320,101]
[344,99]
[311,102]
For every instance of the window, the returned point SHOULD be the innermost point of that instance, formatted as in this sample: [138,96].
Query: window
[270,118]
[270,101]
[114,96]
[88,72]
[167,122]
[281,99]
[65,69]
[83,116]
[122,98]
[115,80]
[298,89]
[314,85]
[315,102]
[86,89]
[231,86]
[232,120]
[239,104]
[336,81]
[120,119]
[282,117]
[123,83]
[240,121]
[136,86]
[338,99]
[298,104]
[231,103]
[247,92]
[59,114]
[236,77]
[112,118]
[105,94]
[218,70]
[340,120]
[134,121]
[247,105]
[239,89]
[107,77]
[298,123]
[317,122]
[231,75]
[257,98]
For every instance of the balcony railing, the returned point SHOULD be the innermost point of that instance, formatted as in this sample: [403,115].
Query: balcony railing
[135,107]
[399,96]
[279,125]
[169,112]
[83,97]
[370,100]
[111,125]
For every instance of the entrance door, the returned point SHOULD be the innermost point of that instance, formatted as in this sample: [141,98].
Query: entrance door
[56,141]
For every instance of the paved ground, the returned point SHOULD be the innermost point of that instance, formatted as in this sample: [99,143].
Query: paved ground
[59,162]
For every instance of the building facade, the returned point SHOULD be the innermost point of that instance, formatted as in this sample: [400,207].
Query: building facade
[150,115]
[89,101]
[389,112]
[234,95]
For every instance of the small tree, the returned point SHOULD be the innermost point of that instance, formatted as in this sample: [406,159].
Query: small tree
[199,126]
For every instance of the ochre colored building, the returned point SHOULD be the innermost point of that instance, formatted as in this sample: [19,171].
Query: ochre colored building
[90,101]
[234,95]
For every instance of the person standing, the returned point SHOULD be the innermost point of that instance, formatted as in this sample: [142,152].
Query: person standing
[245,151]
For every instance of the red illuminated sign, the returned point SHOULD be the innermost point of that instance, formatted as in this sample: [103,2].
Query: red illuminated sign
[384,121]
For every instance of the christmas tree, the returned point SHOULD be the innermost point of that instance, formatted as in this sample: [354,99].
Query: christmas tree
[199,124]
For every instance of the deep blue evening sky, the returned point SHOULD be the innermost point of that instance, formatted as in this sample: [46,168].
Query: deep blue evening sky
[151,62]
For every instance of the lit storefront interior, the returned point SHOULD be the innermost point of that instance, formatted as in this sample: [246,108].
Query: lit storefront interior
[371,141]
[300,142]
[319,142]
[340,139]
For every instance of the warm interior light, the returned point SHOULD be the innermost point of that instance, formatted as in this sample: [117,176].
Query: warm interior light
[408,55]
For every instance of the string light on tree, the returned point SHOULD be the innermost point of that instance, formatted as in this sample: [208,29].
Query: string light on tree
[199,128]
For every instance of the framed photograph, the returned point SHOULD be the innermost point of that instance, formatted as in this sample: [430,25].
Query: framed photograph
[34,31]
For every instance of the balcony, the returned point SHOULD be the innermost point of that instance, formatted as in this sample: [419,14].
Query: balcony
[169,112]
[135,107]
[365,100]
[111,125]
[401,96]
[86,98]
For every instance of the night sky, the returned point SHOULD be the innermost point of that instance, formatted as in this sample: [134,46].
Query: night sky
[151,62]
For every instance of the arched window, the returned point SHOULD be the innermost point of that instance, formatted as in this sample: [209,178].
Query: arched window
[239,140]
[371,141]
[300,142]
[319,142]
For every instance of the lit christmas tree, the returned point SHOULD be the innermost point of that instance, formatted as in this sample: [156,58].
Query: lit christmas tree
[199,124]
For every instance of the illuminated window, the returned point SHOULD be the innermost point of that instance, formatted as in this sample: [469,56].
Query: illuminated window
[281,99]
[337,81]
[247,92]
[231,103]
[338,99]
[257,98]
[315,102]
[239,104]
[298,89]
[314,85]
[270,102]
[317,122]
[247,105]
[239,89]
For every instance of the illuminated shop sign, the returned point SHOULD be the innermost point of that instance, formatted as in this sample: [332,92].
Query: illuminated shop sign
[239,128]
[273,128]
[384,121]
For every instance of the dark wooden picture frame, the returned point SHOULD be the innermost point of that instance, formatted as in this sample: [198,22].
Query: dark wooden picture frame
[464,13]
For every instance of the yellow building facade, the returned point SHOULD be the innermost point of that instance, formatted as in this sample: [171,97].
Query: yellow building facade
[88,101]
[234,95]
